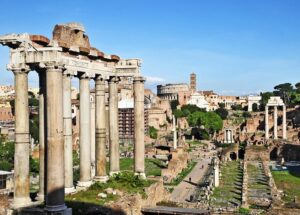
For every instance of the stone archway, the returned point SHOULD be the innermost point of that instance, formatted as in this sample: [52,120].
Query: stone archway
[274,154]
[233,156]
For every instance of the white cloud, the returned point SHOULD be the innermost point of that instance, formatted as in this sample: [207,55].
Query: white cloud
[154,80]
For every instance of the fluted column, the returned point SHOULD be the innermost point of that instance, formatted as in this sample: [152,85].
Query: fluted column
[275,123]
[284,122]
[114,156]
[55,140]
[267,122]
[93,138]
[85,132]
[21,156]
[67,102]
[42,135]
[100,130]
[139,127]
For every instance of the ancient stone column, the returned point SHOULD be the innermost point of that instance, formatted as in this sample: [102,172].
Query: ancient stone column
[42,136]
[267,122]
[21,156]
[93,138]
[55,140]
[139,127]
[114,156]
[174,133]
[284,122]
[100,130]
[67,107]
[275,123]
[84,133]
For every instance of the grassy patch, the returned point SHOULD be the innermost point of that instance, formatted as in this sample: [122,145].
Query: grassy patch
[183,174]
[289,183]
[125,182]
[152,166]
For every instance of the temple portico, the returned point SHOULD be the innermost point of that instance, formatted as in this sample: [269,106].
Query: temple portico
[275,101]
[57,61]
[228,135]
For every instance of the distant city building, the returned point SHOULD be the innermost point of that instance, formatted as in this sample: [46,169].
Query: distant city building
[199,100]
[126,120]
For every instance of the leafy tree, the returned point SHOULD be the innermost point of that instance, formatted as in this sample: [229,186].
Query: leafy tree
[265,97]
[236,107]
[191,108]
[7,151]
[221,105]
[254,107]
[152,132]
[297,87]
[34,127]
[178,113]
[222,112]
[209,120]
[284,91]
[186,112]
[174,104]
[246,114]
[34,165]
[33,102]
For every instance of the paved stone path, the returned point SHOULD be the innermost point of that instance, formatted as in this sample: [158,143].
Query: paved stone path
[185,189]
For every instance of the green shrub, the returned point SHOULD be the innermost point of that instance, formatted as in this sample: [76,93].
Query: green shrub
[152,132]
[5,165]
[244,211]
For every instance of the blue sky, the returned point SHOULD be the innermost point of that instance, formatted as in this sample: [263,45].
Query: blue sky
[234,46]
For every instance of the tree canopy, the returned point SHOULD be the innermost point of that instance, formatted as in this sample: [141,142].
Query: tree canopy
[209,120]
[222,112]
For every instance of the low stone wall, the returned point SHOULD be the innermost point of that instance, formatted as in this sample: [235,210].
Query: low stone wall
[132,204]
[178,162]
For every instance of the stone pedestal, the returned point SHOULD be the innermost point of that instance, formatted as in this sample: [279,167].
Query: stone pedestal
[67,102]
[139,126]
[114,156]
[55,185]
[21,156]
[85,132]
[100,130]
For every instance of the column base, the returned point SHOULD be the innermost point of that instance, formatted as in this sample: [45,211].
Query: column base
[112,173]
[21,202]
[40,197]
[70,190]
[102,179]
[58,210]
[142,175]
[82,185]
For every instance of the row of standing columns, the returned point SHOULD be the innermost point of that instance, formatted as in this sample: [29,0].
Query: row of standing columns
[55,122]
[275,127]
